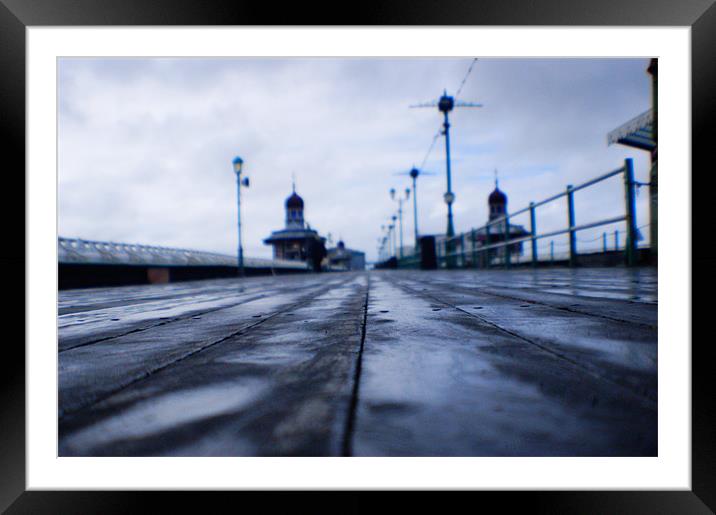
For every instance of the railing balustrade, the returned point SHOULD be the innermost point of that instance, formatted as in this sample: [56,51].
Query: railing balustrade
[454,252]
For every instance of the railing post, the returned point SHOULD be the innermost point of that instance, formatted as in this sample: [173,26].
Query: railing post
[551,252]
[604,242]
[616,239]
[507,238]
[630,212]
[572,235]
[533,228]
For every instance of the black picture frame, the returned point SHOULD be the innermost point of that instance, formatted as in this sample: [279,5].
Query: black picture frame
[16,15]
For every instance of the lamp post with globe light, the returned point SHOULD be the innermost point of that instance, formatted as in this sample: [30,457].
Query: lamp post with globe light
[445,104]
[238,164]
[414,172]
[392,228]
[400,214]
[383,230]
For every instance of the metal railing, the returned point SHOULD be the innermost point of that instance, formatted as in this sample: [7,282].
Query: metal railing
[493,243]
[76,251]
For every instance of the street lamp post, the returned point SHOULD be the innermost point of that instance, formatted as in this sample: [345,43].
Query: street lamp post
[392,228]
[407,197]
[385,240]
[445,105]
[400,215]
[414,175]
[238,165]
[400,220]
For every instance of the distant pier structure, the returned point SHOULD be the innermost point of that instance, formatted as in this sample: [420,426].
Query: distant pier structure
[501,230]
[343,258]
[297,241]
[496,232]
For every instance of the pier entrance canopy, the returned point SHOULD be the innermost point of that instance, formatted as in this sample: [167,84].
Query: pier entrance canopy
[637,132]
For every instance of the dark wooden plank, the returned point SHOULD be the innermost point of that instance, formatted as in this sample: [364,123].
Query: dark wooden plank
[88,373]
[437,381]
[623,352]
[525,374]
[619,294]
[284,387]
[111,316]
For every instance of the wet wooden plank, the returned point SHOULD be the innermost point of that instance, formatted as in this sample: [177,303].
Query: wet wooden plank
[631,284]
[283,387]
[453,363]
[101,314]
[618,294]
[88,373]
[436,381]
[622,352]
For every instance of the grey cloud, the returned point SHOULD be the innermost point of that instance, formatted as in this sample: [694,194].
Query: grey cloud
[146,144]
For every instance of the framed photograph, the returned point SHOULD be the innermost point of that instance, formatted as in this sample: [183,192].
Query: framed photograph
[415,248]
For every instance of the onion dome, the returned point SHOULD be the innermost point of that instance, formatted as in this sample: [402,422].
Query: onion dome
[497,197]
[294,202]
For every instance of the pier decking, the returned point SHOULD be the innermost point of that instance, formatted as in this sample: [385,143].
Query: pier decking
[547,362]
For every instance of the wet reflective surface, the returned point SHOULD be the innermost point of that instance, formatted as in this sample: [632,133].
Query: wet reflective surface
[396,363]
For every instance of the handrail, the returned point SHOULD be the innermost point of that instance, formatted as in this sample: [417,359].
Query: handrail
[77,250]
[447,248]
[535,205]
[501,244]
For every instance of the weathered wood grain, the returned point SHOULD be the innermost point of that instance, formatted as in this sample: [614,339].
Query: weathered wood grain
[393,363]
[623,352]
[438,380]
[281,387]
[90,372]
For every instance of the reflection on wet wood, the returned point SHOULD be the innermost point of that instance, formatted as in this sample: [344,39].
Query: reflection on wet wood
[395,363]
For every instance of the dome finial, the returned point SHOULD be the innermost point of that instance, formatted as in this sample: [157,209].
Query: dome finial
[293,181]
[497,196]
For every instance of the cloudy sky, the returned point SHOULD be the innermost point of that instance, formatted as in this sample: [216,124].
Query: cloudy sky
[145,145]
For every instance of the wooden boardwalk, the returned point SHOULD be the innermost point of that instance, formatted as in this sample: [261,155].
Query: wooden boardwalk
[396,363]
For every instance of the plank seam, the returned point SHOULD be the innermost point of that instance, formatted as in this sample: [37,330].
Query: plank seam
[63,413]
[347,448]
[571,310]
[547,304]
[158,324]
[645,399]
